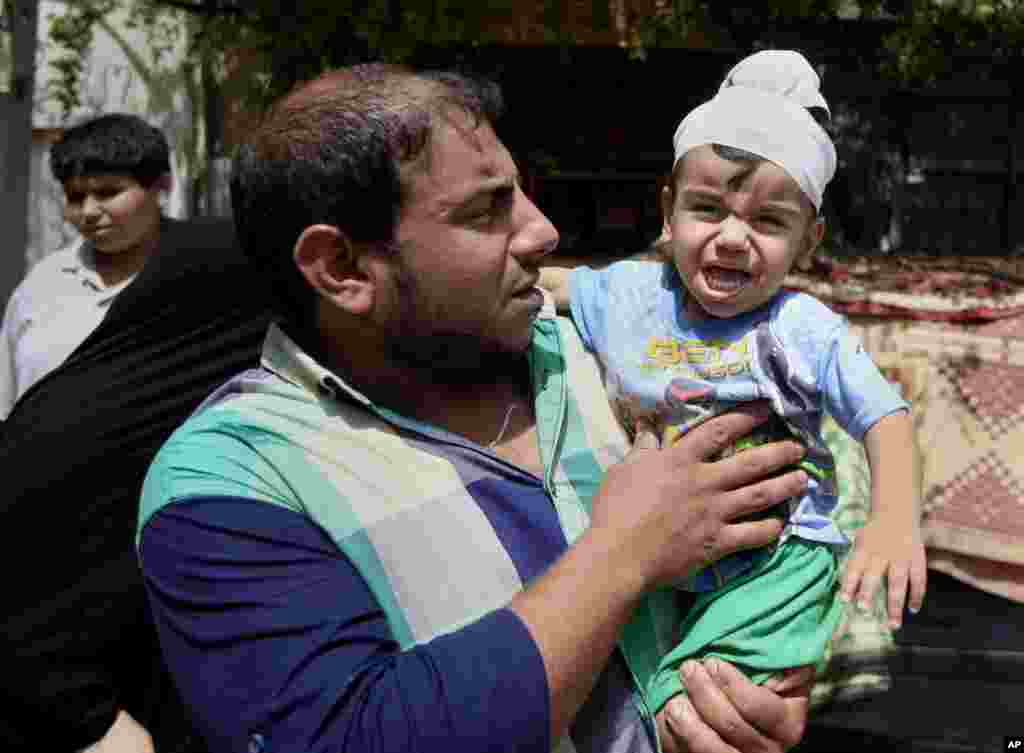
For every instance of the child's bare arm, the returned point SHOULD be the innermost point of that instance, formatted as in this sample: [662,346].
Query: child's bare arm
[556,281]
[890,446]
[890,545]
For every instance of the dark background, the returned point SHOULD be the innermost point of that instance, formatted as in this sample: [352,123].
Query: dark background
[923,171]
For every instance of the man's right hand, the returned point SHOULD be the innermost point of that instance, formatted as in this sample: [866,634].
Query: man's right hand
[658,516]
[675,508]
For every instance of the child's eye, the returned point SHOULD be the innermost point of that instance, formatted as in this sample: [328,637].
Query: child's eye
[706,209]
[74,198]
[771,221]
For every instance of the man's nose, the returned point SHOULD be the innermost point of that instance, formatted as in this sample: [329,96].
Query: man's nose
[534,234]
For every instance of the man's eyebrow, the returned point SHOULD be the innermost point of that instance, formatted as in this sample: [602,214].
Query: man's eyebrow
[488,186]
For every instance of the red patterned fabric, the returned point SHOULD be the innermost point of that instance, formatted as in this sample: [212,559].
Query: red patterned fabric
[924,288]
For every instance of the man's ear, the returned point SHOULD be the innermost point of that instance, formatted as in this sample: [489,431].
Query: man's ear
[329,261]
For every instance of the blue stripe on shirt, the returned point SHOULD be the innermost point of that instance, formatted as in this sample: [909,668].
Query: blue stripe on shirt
[528,528]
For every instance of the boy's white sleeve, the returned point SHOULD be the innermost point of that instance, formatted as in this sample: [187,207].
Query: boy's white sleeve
[8,373]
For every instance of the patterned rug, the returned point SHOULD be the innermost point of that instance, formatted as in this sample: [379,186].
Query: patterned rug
[952,337]
[955,289]
[950,333]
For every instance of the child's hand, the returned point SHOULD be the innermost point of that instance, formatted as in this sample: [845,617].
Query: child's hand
[894,550]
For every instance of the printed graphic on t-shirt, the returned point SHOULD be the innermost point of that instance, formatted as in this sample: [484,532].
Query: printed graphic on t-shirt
[679,383]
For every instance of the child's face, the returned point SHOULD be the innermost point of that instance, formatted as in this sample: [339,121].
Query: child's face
[735,230]
[115,212]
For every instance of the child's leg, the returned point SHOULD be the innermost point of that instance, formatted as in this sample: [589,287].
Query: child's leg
[782,614]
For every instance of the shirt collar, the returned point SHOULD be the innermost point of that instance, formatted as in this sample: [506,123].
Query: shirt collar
[282,356]
[82,264]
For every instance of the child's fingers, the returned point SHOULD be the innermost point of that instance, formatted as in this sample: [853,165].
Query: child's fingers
[851,579]
[869,584]
[898,578]
[918,584]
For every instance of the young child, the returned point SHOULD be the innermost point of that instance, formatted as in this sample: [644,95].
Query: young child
[113,169]
[681,342]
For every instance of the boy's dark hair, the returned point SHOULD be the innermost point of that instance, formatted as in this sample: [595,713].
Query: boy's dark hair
[338,150]
[112,144]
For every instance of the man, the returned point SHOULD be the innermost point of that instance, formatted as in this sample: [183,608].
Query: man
[394,534]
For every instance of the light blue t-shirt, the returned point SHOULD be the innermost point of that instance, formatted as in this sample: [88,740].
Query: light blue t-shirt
[794,351]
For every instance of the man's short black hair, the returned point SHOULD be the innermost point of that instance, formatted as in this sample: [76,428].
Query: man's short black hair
[338,150]
[112,144]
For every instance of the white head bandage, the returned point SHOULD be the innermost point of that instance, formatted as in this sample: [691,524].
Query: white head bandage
[761,107]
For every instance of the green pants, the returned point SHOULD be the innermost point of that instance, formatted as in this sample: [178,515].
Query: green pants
[781,614]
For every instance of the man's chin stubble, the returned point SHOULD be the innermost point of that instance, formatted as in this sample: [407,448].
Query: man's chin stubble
[453,358]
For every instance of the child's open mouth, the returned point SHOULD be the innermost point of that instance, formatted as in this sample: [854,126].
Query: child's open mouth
[725,280]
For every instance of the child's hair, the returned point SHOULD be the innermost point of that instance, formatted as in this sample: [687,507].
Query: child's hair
[112,144]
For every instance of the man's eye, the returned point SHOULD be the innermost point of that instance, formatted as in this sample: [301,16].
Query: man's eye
[707,209]
[107,193]
[769,220]
[499,204]
[74,198]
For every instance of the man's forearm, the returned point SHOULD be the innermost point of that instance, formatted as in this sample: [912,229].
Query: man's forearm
[600,581]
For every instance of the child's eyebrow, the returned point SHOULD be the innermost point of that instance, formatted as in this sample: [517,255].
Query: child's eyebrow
[709,194]
[785,207]
[692,194]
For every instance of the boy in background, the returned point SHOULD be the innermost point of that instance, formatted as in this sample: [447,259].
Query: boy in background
[680,342]
[113,169]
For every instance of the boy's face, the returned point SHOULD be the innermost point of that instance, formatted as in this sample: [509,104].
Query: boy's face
[735,229]
[115,211]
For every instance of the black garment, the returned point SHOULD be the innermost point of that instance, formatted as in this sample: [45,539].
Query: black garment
[957,681]
[79,643]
